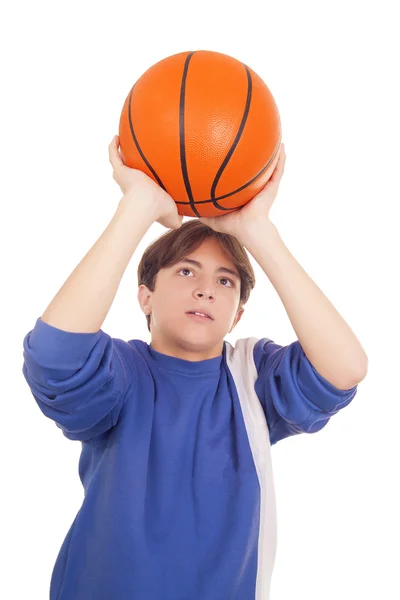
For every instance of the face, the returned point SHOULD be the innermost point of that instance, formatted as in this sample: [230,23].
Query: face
[186,287]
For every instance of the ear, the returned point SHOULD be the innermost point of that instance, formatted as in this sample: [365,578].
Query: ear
[144,297]
[237,318]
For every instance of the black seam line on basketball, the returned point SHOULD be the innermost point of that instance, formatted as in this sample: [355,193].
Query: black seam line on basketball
[237,138]
[160,183]
[238,189]
[182,134]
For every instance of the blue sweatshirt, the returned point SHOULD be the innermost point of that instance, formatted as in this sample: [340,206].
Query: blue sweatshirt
[179,500]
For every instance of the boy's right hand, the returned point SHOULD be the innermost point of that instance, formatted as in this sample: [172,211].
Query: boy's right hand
[134,180]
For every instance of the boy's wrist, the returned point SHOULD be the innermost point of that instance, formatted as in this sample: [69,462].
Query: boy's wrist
[132,203]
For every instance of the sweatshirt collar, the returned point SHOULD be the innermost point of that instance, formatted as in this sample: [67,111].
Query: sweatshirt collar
[172,363]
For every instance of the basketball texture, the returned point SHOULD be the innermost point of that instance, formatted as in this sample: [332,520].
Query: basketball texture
[205,127]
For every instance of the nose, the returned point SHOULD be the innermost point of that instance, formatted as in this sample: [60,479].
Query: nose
[206,291]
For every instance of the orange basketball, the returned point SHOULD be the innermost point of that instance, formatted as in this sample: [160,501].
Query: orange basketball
[205,127]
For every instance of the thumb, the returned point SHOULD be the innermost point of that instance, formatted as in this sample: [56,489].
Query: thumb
[178,222]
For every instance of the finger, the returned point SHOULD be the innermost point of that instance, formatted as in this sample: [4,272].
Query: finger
[113,153]
[277,172]
[282,157]
[113,142]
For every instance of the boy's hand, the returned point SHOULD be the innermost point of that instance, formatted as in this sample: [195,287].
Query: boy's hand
[240,223]
[136,182]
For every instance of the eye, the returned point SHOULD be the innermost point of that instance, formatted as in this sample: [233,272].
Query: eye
[226,278]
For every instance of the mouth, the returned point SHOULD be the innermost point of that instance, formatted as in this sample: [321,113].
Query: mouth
[199,317]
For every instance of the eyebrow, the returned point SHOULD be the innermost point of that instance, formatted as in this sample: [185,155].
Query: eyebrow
[196,263]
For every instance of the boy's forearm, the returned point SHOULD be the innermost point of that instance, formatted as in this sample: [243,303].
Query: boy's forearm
[327,340]
[83,302]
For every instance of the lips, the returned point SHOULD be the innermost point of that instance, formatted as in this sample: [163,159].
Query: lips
[189,312]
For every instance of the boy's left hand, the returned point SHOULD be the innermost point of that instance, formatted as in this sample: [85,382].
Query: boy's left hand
[239,222]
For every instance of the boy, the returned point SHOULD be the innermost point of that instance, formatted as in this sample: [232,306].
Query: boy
[176,466]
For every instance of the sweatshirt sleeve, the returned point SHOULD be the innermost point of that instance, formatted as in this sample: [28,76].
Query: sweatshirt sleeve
[294,396]
[79,380]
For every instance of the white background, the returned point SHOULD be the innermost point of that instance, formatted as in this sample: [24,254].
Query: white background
[332,69]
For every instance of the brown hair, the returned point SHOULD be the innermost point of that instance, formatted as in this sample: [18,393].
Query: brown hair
[173,245]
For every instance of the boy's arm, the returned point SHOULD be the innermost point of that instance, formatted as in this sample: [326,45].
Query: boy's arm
[77,373]
[294,396]
[327,340]
[83,302]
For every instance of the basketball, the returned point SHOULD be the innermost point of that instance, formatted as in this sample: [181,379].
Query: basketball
[205,127]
